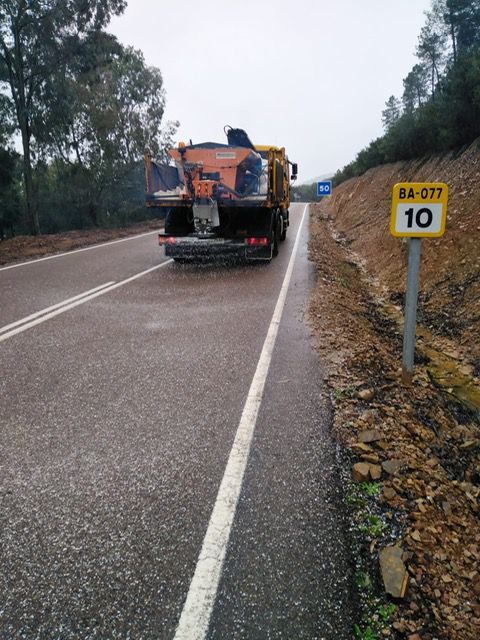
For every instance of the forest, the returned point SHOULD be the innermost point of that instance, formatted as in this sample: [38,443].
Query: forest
[77,111]
[439,109]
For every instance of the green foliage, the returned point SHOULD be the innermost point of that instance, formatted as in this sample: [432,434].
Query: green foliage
[86,109]
[305,193]
[111,111]
[415,89]
[440,108]
[392,112]
[365,633]
[9,193]
[386,611]
[371,489]
[375,622]
[363,581]
[346,392]
[360,493]
[35,39]
[372,526]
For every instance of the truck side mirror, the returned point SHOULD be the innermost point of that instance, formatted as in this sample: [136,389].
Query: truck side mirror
[294,170]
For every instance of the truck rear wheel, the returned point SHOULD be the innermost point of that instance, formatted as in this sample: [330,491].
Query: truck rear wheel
[275,234]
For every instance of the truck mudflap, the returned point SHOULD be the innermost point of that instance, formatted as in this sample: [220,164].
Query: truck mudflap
[195,248]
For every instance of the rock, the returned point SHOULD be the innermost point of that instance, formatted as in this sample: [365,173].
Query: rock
[360,447]
[469,444]
[361,472]
[400,625]
[391,375]
[370,457]
[447,508]
[392,466]
[389,493]
[369,435]
[416,536]
[369,416]
[414,636]
[394,572]
[366,394]
[375,472]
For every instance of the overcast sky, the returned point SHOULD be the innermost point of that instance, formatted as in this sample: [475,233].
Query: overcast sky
[309,75]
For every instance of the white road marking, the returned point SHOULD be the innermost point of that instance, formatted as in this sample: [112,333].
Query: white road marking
[72,305]
[69,253]
[195,618]
[37,314]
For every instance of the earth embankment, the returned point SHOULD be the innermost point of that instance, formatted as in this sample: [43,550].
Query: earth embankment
[415,449]
[450,271]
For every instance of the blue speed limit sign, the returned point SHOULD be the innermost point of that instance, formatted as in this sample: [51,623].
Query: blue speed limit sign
[324,188]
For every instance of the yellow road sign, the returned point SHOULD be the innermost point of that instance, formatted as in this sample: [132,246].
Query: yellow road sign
[419,209]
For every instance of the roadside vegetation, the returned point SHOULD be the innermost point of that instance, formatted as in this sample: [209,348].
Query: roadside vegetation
[440,106]
[83,107]
[305,193]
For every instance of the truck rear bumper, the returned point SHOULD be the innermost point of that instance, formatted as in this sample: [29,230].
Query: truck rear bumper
[192,248]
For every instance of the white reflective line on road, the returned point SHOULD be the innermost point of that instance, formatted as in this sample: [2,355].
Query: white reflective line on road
[197,610]
[37,314]
[67,307]
[69,253]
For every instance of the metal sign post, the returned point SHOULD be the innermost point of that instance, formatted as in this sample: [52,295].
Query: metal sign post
[419,210]
[411,299]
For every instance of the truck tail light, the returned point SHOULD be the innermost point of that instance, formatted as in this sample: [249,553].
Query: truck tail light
[166,240]
[257,242]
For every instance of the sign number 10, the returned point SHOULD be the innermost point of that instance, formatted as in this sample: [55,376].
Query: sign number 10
[423,218]
[419,209]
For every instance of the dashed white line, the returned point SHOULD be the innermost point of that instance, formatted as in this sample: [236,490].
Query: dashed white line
[69,253]
[197,610]
[72,305]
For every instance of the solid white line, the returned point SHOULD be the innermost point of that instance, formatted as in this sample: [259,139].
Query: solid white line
[195,618]
[53,314]
[69,253]
[17,323]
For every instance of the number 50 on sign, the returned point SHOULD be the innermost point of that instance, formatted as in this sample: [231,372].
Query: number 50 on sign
[419,209]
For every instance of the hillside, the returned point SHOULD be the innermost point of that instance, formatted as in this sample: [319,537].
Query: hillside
[412,453]
[450,277]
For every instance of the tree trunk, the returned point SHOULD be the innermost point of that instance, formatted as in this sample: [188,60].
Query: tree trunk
[23,121]
[93,213]
[32,213]
[452,33]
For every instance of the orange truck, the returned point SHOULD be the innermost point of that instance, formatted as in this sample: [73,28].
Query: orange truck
[228,200]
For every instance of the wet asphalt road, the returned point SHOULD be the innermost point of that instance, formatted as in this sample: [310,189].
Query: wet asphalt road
[117,419]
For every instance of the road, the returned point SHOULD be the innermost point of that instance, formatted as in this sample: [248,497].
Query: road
[149,413]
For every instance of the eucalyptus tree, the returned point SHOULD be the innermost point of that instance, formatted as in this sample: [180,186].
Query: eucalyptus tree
[36,36]
[100,115]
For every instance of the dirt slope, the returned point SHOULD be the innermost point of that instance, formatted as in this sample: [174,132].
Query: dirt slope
[419,446]
[450,285]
